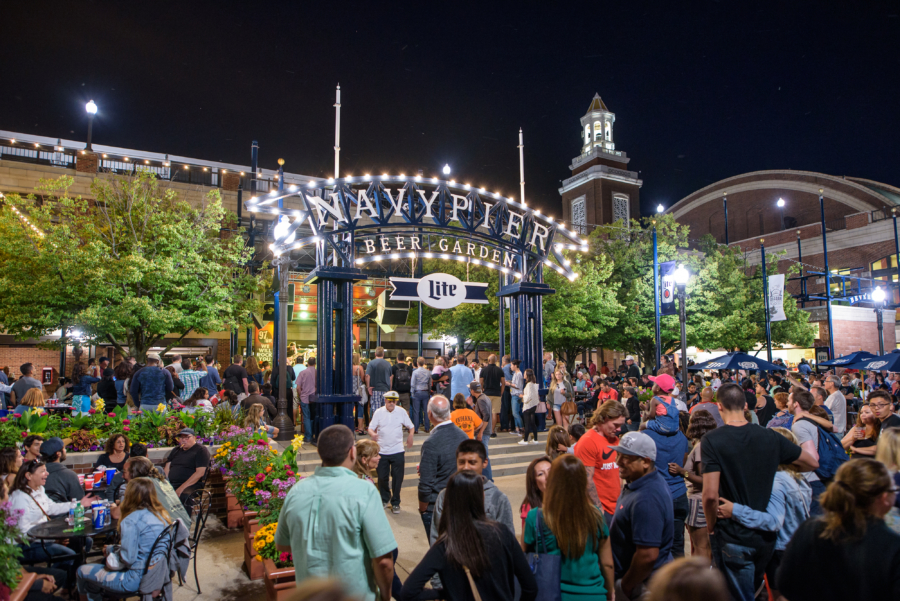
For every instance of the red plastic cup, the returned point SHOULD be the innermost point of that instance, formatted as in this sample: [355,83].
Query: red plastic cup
[88,483]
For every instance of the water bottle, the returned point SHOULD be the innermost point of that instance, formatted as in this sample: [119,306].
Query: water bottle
[78,513]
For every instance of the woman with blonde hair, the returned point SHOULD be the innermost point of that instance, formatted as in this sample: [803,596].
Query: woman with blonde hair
[367,458]
[33,398]
[557,442]
[862,438]
[359,387]
[849,538]
[888,452]
[560,392]
[571,526]
[141,520]
[256,419]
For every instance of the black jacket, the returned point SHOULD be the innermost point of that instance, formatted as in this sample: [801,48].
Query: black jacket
[62,484]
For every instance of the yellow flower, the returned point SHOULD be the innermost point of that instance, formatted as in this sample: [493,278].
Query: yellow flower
[274,452]
[161,408]
[259,558]
[260,545]
[270,539]
[297,442]
[99,404]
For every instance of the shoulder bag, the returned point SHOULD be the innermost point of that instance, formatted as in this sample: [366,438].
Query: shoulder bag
[545,567]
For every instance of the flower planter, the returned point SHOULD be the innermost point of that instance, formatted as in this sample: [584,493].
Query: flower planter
[280,582]
[235,513]
[254,568]
[21,591]
[251,525]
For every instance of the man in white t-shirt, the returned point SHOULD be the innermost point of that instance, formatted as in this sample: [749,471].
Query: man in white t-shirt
[807,433]
[386,428]
[837,403]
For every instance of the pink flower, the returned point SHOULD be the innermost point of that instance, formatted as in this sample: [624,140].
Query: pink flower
[126,421]
[106,424]
[92,411]
[111,414]
[260,478]
[24,434]
[17,415]
[127,429]
[4,419]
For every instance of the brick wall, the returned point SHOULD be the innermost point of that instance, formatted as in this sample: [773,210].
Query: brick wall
[87,162]
[13,356]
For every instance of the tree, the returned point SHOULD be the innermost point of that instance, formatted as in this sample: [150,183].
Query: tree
[127,269]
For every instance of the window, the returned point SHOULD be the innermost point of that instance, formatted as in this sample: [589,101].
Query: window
[621,209]
[587,134]
[598,130]
[608,131]
[579,215]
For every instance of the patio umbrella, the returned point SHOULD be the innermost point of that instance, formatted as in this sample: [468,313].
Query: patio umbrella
[738,361]
[888,362]
[845,360]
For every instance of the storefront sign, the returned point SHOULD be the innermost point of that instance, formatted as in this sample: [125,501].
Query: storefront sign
[439,291]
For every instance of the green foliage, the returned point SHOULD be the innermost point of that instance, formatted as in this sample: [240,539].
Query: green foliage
[10,569]
[126,269]
[34,421]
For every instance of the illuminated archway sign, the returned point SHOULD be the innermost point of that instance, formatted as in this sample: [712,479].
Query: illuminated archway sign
[358,221]
[374,218]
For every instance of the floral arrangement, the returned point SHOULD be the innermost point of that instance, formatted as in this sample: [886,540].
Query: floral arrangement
[10,569]
[264,543]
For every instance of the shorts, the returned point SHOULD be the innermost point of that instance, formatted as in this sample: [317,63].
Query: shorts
[695,518]
[376,401]
[496,404]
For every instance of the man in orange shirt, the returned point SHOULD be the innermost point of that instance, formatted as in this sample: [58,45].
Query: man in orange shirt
[466,419]
[607,393]
[604,484]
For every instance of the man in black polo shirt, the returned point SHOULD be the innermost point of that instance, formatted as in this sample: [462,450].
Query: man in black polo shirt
[493,382]
[186,465]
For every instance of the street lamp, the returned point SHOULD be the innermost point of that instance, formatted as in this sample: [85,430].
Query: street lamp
[446,170]
[878,297]
[681,276]
[780,204]
[91,110]
[660,208]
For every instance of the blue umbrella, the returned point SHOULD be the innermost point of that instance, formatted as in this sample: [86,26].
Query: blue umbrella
[738,361]
[888,362]
[845,360]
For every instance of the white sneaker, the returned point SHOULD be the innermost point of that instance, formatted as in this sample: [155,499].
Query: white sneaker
[534,442]
[523,442]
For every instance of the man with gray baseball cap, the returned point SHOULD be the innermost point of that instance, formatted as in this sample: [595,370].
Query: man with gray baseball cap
[642,528]
[150,385]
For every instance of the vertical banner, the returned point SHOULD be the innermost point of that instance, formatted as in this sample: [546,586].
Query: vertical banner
[667,288]
[776,298]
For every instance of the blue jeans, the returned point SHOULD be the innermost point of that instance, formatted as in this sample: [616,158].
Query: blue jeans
[817,489]
[738,565]
[485,439]
[426,520]
[94,578]
[39,553]
[307,422]
[420,410]
[517,411]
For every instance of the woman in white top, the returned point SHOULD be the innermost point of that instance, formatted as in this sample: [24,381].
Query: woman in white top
[530,400]
[29,498]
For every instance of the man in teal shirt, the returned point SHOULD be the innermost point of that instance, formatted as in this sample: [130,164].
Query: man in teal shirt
[334,525]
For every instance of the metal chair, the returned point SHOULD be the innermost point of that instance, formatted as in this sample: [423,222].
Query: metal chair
[199,503]
[162,548]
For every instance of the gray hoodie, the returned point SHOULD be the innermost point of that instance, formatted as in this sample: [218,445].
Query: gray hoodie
[496,506]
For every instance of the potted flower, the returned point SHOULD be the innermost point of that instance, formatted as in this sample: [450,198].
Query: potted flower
[10,569]
[279,573]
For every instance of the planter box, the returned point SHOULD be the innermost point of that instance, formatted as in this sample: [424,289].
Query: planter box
[235,513]
[254,568]
[280,582]
[251,525]
[21,591]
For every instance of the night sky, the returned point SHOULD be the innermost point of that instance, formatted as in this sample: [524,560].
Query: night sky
[701,90]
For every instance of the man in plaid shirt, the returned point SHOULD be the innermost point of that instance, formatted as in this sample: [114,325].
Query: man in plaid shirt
[190,378]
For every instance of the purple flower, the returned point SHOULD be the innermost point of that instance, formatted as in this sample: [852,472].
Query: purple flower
[93,447]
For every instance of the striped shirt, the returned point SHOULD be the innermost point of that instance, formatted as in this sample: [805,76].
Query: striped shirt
[191,380]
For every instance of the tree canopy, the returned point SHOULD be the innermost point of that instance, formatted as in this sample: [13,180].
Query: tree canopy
[127,268]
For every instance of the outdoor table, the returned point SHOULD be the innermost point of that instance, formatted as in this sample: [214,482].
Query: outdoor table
[57,529]
[58,407]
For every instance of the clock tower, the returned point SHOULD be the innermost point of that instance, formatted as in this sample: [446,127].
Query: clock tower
[601,189]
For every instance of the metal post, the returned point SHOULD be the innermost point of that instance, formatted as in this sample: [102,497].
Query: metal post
[419,338]
[62,353]
[827,276]
[682,317]
[800,261]
[762,248]
[897,253]
[656,295]
[254,162]
[281,267]
[377,335]
[725,206]
[368,339]
[90,127]
[283,420]
[782,218]
[879,313]
[502,318]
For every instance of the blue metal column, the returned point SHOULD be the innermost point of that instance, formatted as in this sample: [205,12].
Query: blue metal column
[656,297]
[276,337]
[827,277]
[254,162]
[324,412]
[897,253]
[762,248]
[501,319]
[800,260]
[343,351]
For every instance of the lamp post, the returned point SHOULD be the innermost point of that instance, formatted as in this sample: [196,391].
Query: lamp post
[91,110]
[681,276]
[878,296]
[656,293]
[780,204]
[725,209]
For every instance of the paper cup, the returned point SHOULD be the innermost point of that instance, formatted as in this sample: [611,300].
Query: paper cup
[88,483]
[98,476]
[110,474]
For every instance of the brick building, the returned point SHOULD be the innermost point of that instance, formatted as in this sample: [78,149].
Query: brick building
[860,239]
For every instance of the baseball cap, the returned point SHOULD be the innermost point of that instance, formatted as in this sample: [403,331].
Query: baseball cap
[186,432]
[152,356]
[629,358]
[474,386]
[664,381]
[392,394]
[52,446]
[637,444]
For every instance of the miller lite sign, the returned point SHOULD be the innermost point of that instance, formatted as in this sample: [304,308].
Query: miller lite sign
[667,288]
[439,291]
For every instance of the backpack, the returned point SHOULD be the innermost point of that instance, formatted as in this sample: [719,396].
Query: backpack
[831,453]
[404,378]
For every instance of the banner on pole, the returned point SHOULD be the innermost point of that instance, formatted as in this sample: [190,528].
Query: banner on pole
[667,288]
[776,298]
